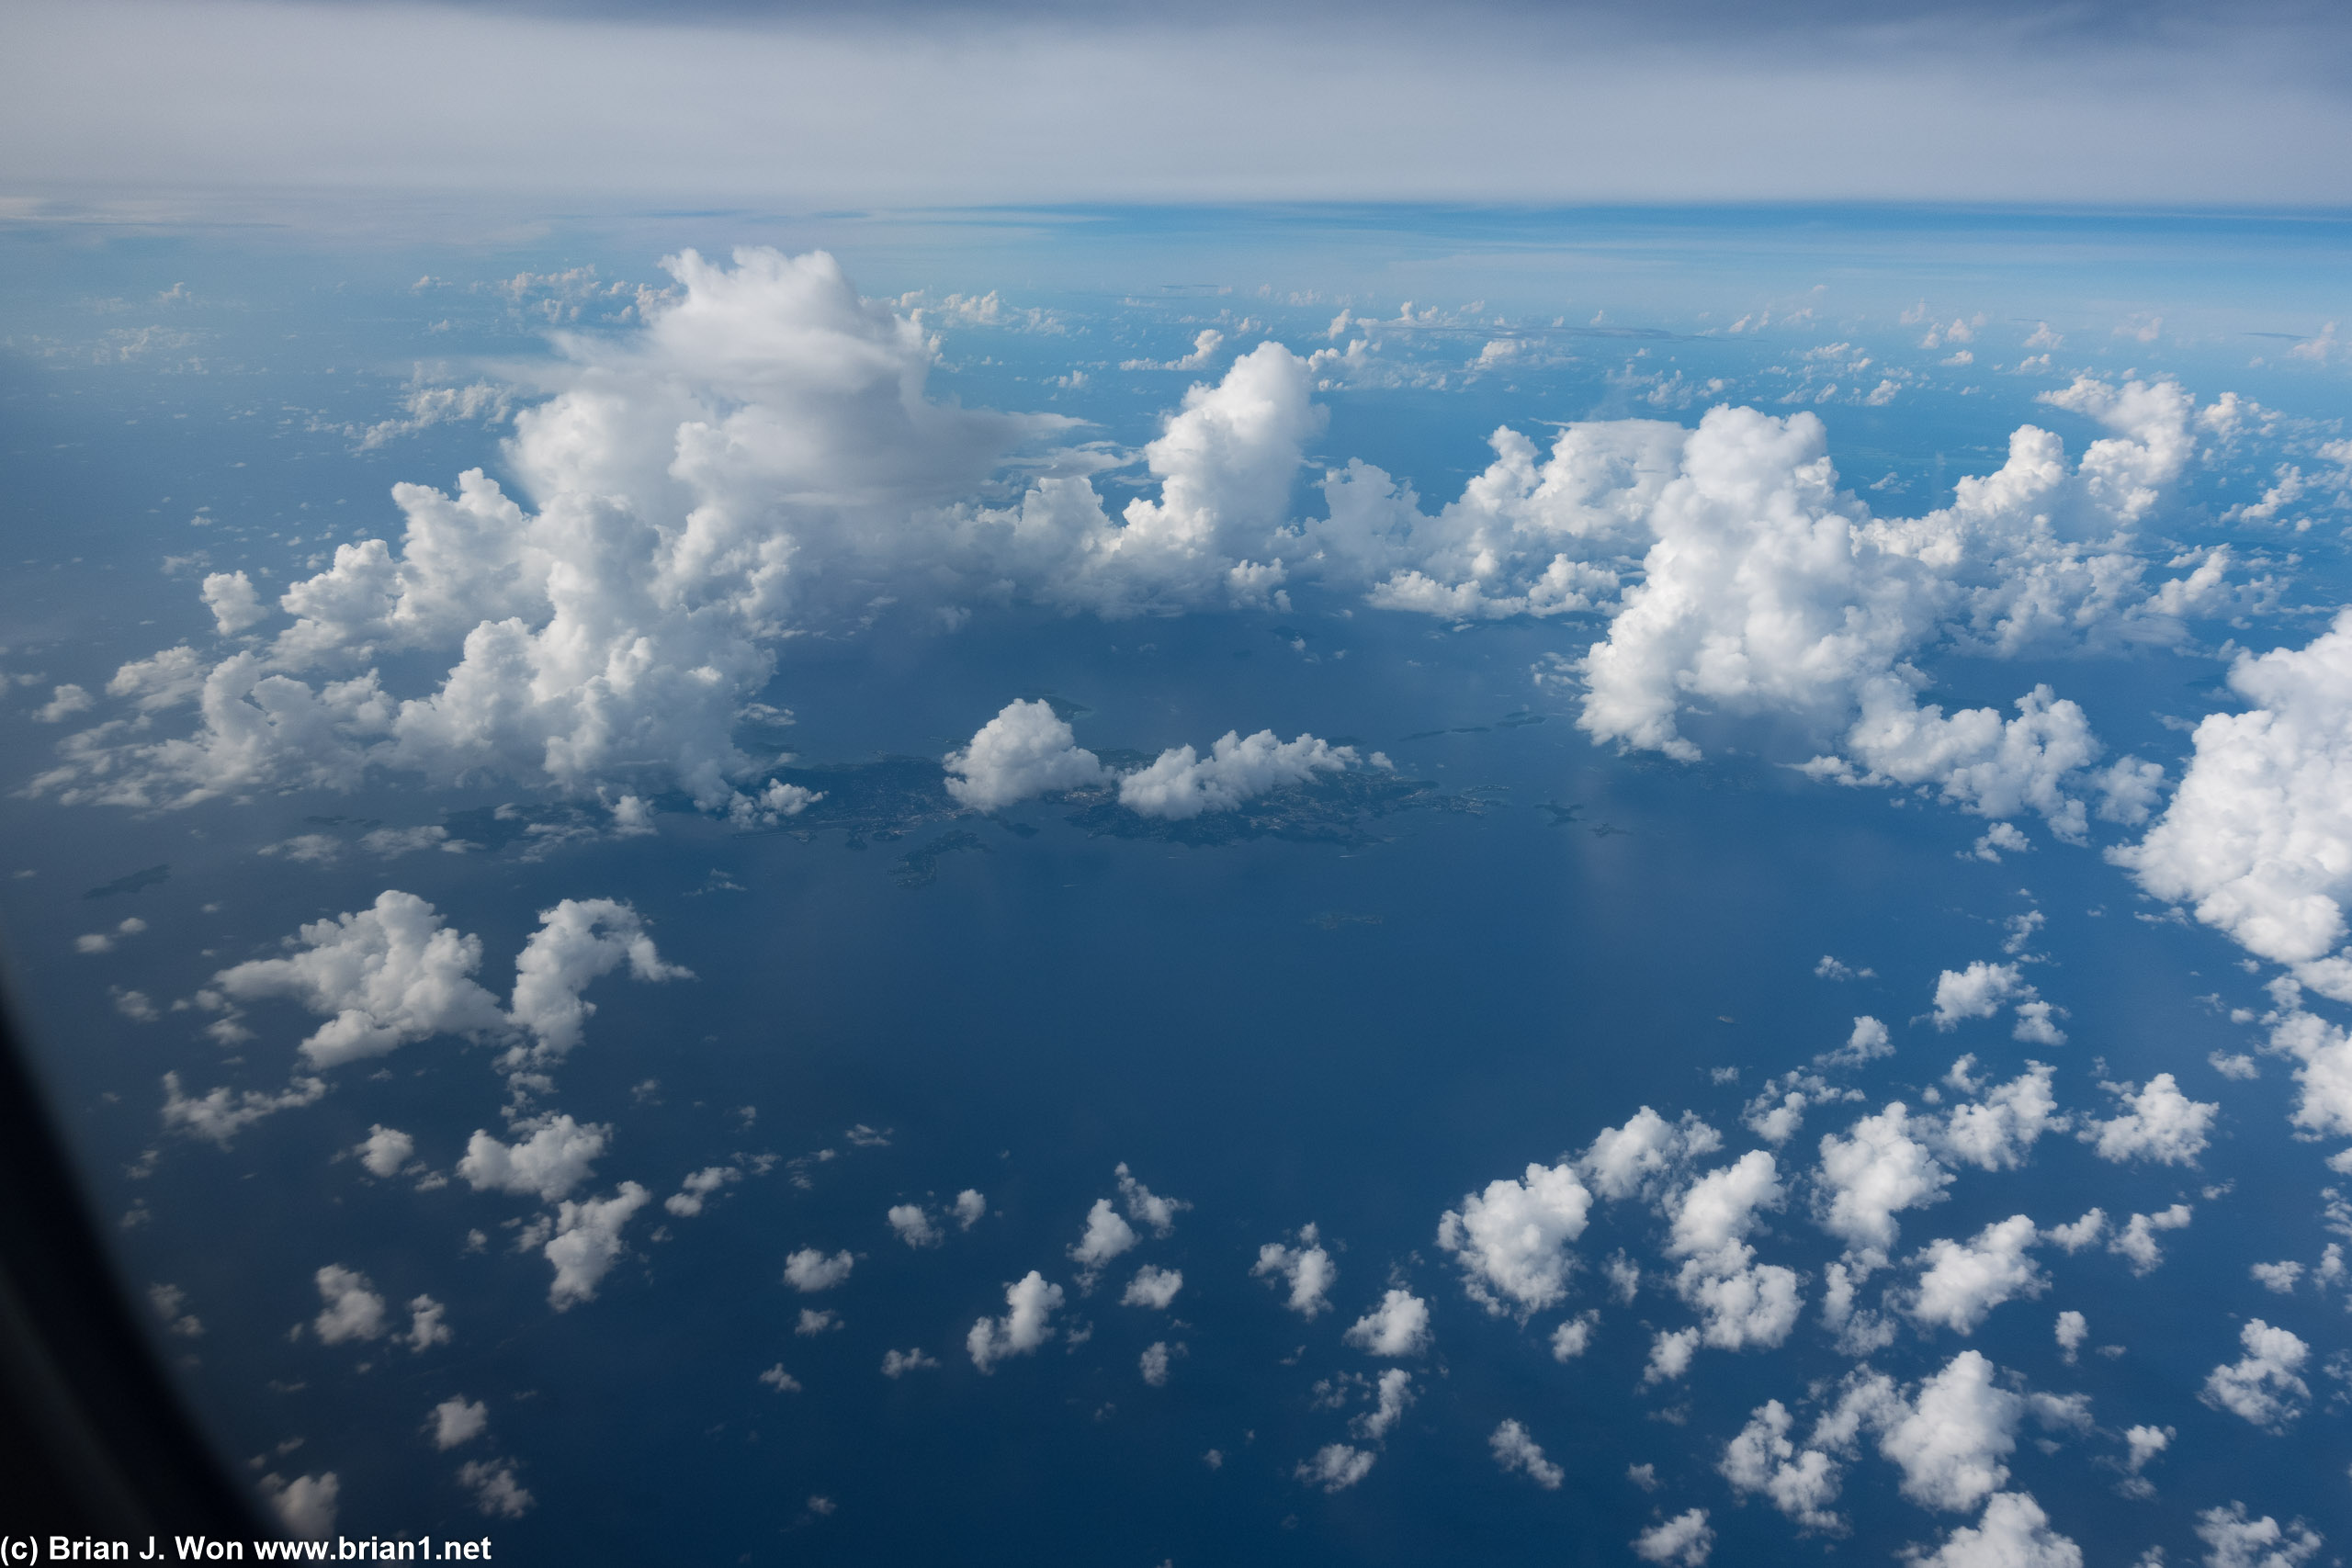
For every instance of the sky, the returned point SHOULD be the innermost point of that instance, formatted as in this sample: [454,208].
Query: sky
[316,113]
[927,781]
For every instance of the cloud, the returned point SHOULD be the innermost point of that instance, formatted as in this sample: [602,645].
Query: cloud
[1336,1467]
[1745,1303]
[587,1243]
[2264,1385]
[1031,1302]
[426,1325]
[912,1226]
[2073,1329]
[386,976]
[1105,1237]
[1153,1363]
[1146,1207]
[695,1191]
[1026,749]
[2013,1533]
[1950,1438]
[497,1494]
[1514,1451]
[1511,1240]
[1308,1269]
[1865,1178]
[1399,1325]
[353,1310]
[2137,1240]
[2258,836]
[1153,1287]
[969,1208]
[305,1506]
[1997,1132]
[457,1420]
[1867,1042]
[1392,1393]
[1624,1161]
[809,1270]
[384,1150]
[1802,1484]
[221,1114]
[2158,1124]
[1977,991]
[898,1363]
[2234,1540]
[1960,1282]
[578,940]
[557,1155]
[1685,1541]
[1180,785]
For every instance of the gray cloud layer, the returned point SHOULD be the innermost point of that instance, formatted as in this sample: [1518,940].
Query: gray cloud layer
[950,104]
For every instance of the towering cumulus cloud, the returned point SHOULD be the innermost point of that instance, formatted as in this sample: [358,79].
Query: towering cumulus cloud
[2259,837]
[761,456]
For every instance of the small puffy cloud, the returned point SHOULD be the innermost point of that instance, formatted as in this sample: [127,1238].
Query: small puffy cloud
[1511,1240]
[1574,1338]
[2279,1278]
[776,1378]
[235,604]
[814,1321]
[63,703]
[1800,1483]
[578,940]
[384,1150]
[352,1309]
[1181,784]
[809,1270]
[305,1506]
[1624,1161]
[1950,1439]
[384,977]
[2258,836]
[1977,991]
[2137,1240]
[497,1494]
[969,1208]
[2234,1540]
[1685,1541]
[1743,1302]
[428,1324]
[1962,1283]
[2158,1124]
[1153,1363]
[587,1243]
[2013,1533]
[1146,1207]
[1865,1178]
[1105,1237]
[1515,1452]
[1306,1267]
[1026,750]
[1399,1325]
[1866,1042]
[2265,1385]
[557,1154]
[1153,1287]
[221,1114]
[2072,1330]
[1391,1394]
[1336,1467]
[898,1363]
[1997,1131]
[695,1191]
[1030,1305]
[457,1420]
[912,1226]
